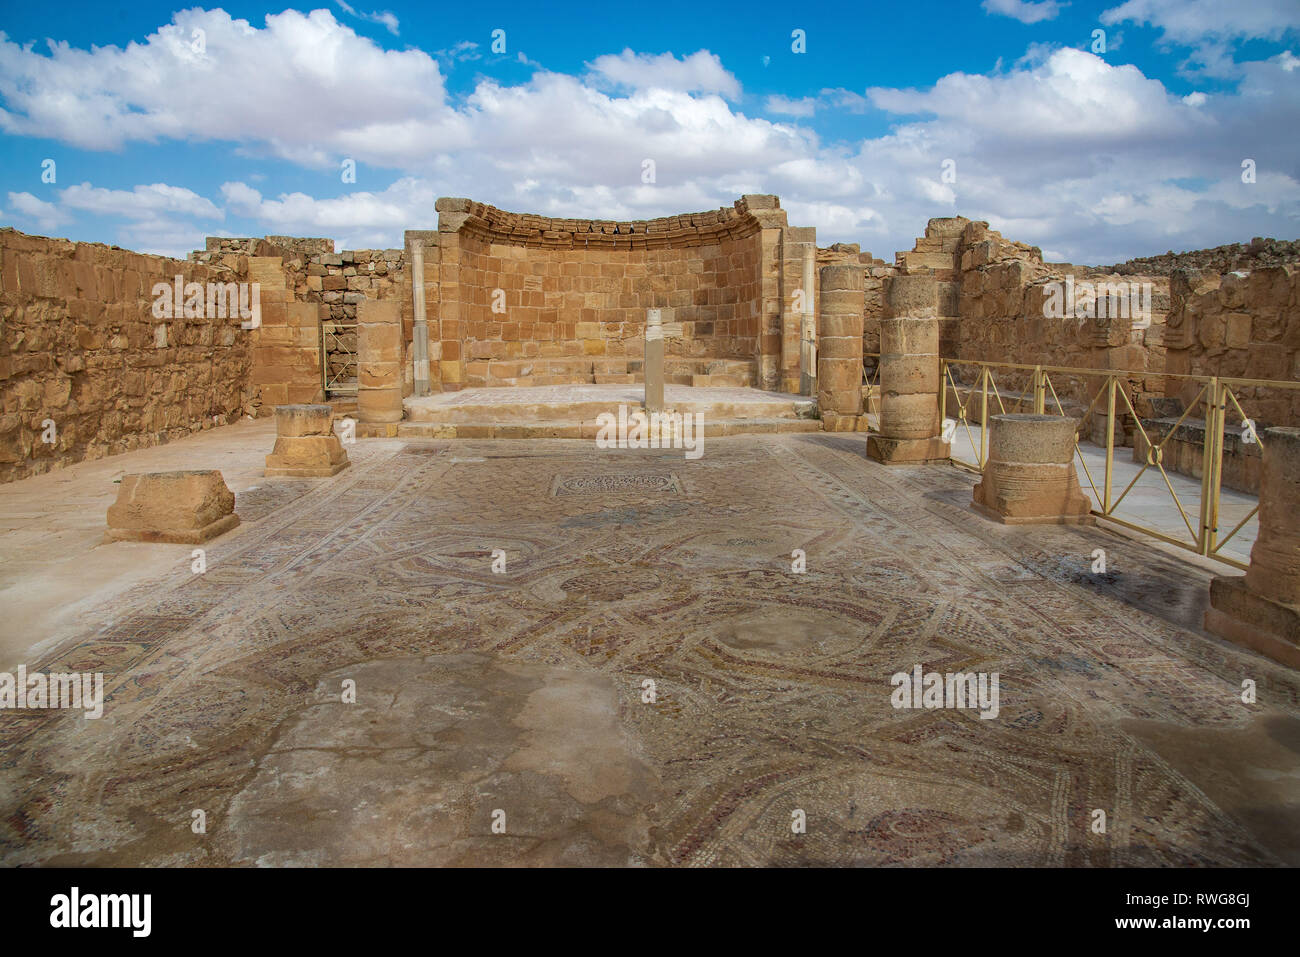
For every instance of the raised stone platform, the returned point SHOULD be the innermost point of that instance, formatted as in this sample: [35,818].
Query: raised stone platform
[572,411]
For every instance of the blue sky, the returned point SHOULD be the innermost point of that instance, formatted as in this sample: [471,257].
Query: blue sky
[166,125]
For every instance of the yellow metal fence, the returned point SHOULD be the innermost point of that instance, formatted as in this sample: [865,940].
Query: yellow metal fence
[970,393]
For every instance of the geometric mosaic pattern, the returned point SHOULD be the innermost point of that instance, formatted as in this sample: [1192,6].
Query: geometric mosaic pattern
[523,692]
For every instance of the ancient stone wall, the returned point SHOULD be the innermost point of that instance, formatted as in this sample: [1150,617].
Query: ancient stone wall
[80,348]
[1243,324]
[531,300]
[1015,308]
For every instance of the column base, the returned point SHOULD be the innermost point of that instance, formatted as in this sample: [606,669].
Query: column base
[174,536]
[995,515]
[313,471]
[907,451]
[306,456]
[835,422]
[1253,621]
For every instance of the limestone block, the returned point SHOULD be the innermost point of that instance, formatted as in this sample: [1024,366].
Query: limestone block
[305,444]
[912,295]
[911,336]
[1029,477]
[839,347]
[180,507]
[1262,609]
[379,362]
[909,416]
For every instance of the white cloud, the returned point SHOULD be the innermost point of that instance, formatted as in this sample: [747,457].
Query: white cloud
[701,72]
[46,215]
[162,89]
[783,105]
[1063,149]
[143,202]
[375,217]
[1191,21]
[1026,11]
[385,18]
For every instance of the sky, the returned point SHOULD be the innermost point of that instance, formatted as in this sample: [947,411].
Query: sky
[1098,131]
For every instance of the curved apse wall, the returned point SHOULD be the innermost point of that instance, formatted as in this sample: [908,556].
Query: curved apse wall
[535,300]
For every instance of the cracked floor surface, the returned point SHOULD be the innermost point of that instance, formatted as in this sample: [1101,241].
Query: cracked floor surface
[499,717]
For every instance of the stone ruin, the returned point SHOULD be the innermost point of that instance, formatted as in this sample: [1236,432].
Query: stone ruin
[516,300]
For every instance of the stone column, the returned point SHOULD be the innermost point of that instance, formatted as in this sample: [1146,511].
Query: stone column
[654,361]
[1029,478]
[379,365]
[1261,610]
[839,352]
[909,432]
[420,332]
[305,443]
[808,323]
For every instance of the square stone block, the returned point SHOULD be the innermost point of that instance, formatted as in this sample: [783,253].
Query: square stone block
[306,456]
[178,507]
[1253,621]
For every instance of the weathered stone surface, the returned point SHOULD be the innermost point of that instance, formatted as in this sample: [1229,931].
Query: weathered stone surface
[912,296]
[379,385]
[180,507]
[1029,478]
[305,445]
[909,387]
[1262,609]
[297,420]
[839,348]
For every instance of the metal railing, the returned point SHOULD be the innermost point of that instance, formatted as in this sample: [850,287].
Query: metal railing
[1217,397]
[871,383]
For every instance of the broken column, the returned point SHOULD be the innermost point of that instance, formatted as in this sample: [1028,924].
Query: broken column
[1029,478]
[1261,609]
[654,361]
[379,364]
[181,507]
[909,427]
[839,350]
[305,443]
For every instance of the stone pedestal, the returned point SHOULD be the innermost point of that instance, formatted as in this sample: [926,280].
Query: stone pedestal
[1261,610]
[180,507]
[839,352]
[1029,478]
[379,362]
[305,443]
[909,431]
[654,361]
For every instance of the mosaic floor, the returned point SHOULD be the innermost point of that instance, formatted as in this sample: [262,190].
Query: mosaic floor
[499,716]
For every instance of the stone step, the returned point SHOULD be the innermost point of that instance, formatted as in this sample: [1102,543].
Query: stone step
[720,379]
[583,409]
[587,429]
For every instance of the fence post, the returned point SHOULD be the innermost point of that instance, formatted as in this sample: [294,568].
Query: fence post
[984,414]
[1211,464]
[1110,439]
